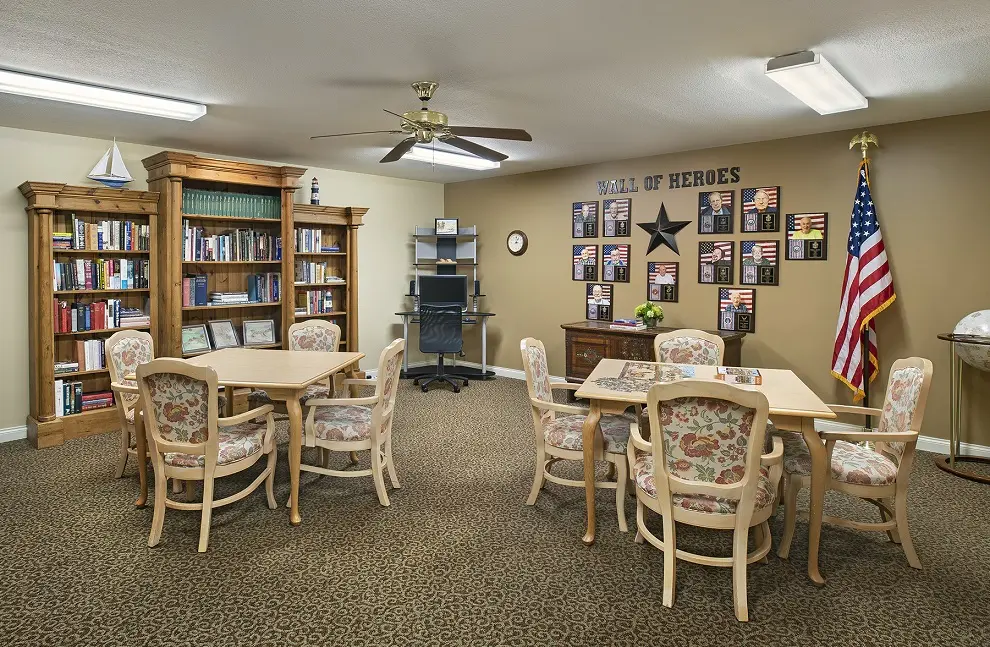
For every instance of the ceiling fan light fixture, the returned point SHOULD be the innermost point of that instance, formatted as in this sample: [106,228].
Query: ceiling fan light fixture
[445,158]
[812,79]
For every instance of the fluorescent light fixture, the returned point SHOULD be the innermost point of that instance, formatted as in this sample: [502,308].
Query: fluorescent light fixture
[810,78]
[40,87]
[431,156]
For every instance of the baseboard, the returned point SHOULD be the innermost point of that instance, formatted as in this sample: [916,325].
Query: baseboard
[925,443]
[13,433]
[511,373]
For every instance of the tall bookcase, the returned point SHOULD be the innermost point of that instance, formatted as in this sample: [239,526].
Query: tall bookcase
[50,210]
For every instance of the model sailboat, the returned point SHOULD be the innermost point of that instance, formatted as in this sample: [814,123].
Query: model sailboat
[110,170]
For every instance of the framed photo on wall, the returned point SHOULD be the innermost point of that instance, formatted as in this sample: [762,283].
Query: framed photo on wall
[446,226]
[715,262]
[584,219]
[615,263]
[761,209]
[737,309]
[599,302]
[807,236]
[661,281]
[195,339]
[758,262]
[223,334]
[715,212]
[617,212]
[258,333]
[585,263]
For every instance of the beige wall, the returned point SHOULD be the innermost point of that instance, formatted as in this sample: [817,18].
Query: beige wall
[385,254]
[928,180]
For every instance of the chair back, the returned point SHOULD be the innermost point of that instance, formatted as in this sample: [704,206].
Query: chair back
[125,351]
[314,334]
[534,360]
[440,329]
[389,366]
[905,400]
[689,346]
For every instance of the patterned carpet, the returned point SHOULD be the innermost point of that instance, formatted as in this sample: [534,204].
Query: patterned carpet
[457,560]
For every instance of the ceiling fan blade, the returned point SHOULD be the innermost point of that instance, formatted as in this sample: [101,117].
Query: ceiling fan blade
[516,134]
[366,132]
[400,149]
[418,126]
[476,149]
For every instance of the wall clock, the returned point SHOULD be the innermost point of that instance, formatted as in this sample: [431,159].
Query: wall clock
[517,242]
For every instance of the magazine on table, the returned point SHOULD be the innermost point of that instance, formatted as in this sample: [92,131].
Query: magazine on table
[736,375]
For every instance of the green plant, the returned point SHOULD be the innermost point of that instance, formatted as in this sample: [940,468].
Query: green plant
[649,311]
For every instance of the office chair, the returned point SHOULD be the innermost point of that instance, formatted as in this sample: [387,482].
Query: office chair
[440,332]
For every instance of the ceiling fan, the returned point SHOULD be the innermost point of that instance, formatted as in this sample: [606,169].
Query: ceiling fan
[425,125]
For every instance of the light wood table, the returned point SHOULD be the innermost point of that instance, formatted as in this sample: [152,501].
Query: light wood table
[793,407]
[284,375]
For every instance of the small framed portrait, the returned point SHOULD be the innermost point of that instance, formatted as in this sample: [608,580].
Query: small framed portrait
[758,262]
[737,309]
[761,209]
[715,262]
[715,212]
[223,334]
[446,226]
[661,281]
[584,218]
[615,263]
[585,263]
[258,333]
[617,212]
[599,302]
[195,339]
[807,236]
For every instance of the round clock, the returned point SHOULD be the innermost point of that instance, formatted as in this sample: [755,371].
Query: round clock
[517,242]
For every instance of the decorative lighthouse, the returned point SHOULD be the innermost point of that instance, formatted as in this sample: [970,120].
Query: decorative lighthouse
[314,192]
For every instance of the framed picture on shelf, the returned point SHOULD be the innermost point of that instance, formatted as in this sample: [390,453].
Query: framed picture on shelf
[761,209]
[617,214]
[737,309]
[661,281]
[758,262]
[807,236]
[223,334]
[585,263]
[584,219]
[715,262]
[715,212]
[195,339]
[615,263]
[446,226]
[260,332]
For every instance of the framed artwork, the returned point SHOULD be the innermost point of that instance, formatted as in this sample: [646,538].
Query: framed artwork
[617,211]
[446,226]
[195,339]
[615,263]
[223,334]
[584,218]
[807,236]
[661,281]
[761,209]
[737,309]
[715,262]
[758,262]
[585,263]
[599,302]
[715,212]
[259,332]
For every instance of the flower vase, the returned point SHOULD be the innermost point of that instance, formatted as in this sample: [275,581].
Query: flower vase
[651,322]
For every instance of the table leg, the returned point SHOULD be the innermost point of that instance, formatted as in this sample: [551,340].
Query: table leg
[819,477]
[405,338]
[484,347]
[295,456]
[588,438]
[953,434]
[141,449]
[228,392]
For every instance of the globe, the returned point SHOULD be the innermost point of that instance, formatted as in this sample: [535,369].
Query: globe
[975,323]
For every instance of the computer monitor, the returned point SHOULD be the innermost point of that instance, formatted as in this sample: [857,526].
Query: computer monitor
[449,289]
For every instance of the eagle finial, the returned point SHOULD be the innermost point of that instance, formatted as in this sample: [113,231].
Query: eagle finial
[864,139]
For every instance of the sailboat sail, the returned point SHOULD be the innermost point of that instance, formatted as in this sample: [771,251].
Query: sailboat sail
[110,170]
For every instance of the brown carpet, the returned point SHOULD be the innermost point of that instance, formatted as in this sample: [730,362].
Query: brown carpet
[458,559]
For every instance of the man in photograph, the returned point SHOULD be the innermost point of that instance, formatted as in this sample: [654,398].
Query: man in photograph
[756,256]
[612,213]
[736,304]
[586,215]
[806,232]
[614,259]
[716,255]
[715,206]
[596,297]
[761,199]
[585,258]
[662,278]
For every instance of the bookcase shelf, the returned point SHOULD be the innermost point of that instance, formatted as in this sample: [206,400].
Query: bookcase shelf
[321,253]
[231,219]
[234,306]
[99,331]
[338,284]
[97,371]
[338,313]
[231,262]
[135,290]
[100,252]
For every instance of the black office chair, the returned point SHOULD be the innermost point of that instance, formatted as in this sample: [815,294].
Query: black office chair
[440,332]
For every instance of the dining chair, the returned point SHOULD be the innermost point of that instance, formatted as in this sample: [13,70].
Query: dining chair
[359,424]
[689,346]
[879,474]
[705,467]
[189,441]
[309,335]
[560,437]
[125,351]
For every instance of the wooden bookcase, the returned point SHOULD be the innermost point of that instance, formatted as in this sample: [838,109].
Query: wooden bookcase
[50,210]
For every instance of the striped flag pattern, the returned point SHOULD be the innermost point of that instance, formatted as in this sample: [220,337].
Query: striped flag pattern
[706,249]
[654,268]
[749,197]
[726,199]
[817,221]
[592,254]
[769,249]
[867,290]
[623,253]
[621,208]
[725,297]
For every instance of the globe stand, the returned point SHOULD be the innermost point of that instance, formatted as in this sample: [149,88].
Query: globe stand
[949,463]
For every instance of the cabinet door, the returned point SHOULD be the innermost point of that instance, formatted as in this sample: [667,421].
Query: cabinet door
[583,354]
[631,347]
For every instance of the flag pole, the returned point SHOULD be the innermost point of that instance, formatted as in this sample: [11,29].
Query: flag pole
[864,140]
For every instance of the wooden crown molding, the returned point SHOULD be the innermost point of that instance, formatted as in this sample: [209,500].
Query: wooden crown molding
[328,215]
[52,195]
[186,165]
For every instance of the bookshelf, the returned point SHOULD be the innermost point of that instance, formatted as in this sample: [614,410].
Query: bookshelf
[52,208]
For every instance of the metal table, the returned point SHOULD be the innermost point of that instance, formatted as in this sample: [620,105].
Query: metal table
[948,463]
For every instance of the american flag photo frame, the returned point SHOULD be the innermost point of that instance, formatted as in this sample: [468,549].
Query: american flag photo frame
[615,263]
[584,263]
[584,219]
[616,214]
[715,262]
[761,209]
[598,302]
[715,212]
[758,262]
[737,309]
[662,281]
[807,236]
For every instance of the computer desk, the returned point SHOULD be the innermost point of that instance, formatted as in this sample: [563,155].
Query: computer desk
[468,317]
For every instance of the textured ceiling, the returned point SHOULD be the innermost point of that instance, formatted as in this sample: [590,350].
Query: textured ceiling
[592,80]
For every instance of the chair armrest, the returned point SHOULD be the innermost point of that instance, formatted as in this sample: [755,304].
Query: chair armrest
[845,408]
[117,387]
[341,402]
[870,436]
[560,408]
[245,417]
[636,439]
[776,456]
[565,386]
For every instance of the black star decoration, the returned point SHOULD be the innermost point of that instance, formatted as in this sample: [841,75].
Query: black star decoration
[662,231]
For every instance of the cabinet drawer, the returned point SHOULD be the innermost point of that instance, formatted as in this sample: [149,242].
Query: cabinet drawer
[635,348]
[583,354]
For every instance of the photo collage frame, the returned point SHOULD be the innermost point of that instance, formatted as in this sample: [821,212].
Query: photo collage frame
[737,309]
[715,212]
[758,262]
[807,236]
[715,262]
[599,302]
[761,209]
[615,263]
[584,219]
[661,281]
[585,263]
[616,215]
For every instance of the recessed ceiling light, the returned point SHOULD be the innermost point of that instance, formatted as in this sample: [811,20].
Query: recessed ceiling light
[432,156]
[40,87]
[810,78]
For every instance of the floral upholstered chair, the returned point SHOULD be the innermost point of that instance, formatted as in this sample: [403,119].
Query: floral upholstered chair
[559,437]
[705,467]
[190,442]
[879,474]
[359,424]
[125,351]
[310,335]
[689,347]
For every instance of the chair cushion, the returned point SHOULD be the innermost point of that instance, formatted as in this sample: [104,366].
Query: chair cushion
[851,463]
[565,432]
[348,422]
[221,405]
[643,473]
[236,443]
[260,397]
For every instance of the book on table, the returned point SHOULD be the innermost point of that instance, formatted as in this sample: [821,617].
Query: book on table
[737,375]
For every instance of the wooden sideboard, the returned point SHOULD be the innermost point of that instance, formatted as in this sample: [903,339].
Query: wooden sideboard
[587,342]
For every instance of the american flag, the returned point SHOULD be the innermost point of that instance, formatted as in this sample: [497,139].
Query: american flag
[606,292]
[592,254]
[706,249]
[769,249]
[623,253]
[592,208]
[749,197]
[621,208]
[794,221]
[726,198]
[867,289]
[653,269]
[725,297]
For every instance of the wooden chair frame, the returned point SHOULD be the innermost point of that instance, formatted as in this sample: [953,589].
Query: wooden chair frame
[891,499]
[128,429]
[744,491]
[210,471]
[548,455]
[689,333]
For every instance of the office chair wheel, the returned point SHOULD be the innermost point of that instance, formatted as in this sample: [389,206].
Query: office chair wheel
[457,389]
[416,382]
[425,388]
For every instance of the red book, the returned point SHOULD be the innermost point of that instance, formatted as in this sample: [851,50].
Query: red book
[186,292]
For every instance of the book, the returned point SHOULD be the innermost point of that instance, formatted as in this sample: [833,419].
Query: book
[627,327]
[735,375]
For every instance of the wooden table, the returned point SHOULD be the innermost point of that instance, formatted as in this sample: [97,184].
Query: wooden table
[284,375]
[793,407]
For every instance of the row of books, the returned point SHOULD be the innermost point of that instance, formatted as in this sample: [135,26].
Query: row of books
[194,290]
[261,288]
[232,205]
[102,274]
[90,356]
[70,399]
[236,245]
[99,315]
[228,298]
[265,288]
[117,235]
[627,324]
[313,302]
[313,241]
[315,273]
